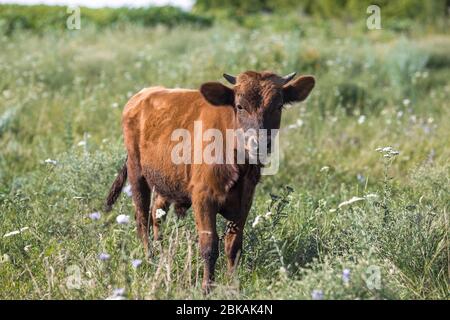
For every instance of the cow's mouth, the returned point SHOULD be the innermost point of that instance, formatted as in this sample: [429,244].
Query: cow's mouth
[254,153]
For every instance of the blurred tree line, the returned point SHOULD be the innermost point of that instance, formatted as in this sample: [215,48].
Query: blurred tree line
[283,14]
[39,18]
[347,9]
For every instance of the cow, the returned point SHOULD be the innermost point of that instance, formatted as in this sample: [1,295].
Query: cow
[255,101]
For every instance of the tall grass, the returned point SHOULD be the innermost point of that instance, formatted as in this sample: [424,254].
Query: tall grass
[60,100]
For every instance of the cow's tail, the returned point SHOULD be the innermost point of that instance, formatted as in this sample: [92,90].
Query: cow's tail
[116,187]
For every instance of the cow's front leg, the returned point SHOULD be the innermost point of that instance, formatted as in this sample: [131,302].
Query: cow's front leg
[236,210]
[233,243]
[205,220]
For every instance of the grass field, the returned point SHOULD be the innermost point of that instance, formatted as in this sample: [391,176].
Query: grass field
[347,222]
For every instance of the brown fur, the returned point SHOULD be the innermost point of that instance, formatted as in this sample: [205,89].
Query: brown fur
[148,121]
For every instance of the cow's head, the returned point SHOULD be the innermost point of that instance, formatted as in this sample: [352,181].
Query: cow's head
[258,99]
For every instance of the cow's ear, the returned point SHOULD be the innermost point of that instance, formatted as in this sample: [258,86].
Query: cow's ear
[298,90]
[217,94]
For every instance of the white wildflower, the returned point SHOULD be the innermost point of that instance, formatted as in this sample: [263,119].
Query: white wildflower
[160,213]
[299,123]
[268,214]
[115,105]
[325,169]
[4,258]
[349,202]
[127,190]
[406,102]
[15,232]
[256,221]
[82,143]
[388,152]
[10,234]
[361,119]
[123,219]
[50,161]
[7,94]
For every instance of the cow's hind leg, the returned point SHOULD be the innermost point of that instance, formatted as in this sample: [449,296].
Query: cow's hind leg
[159,203]
[141,199]
[181,208]
[205,220]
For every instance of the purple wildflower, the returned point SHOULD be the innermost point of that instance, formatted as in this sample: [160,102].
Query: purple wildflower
[346,276]
[317,294]
[95,215]
[104,256]
[136,263]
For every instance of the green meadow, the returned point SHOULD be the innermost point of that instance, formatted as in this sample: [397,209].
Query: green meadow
[345,217]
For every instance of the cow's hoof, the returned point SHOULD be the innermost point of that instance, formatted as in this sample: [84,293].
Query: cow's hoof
[207,287]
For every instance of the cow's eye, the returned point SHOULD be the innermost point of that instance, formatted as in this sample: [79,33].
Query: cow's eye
[239,107]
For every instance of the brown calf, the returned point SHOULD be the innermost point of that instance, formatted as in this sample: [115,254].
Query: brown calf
[148,121]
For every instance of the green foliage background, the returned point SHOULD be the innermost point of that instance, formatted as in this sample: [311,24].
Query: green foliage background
[43,18]
[328,9]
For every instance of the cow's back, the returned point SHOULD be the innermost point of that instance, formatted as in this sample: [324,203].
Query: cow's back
[150,118]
